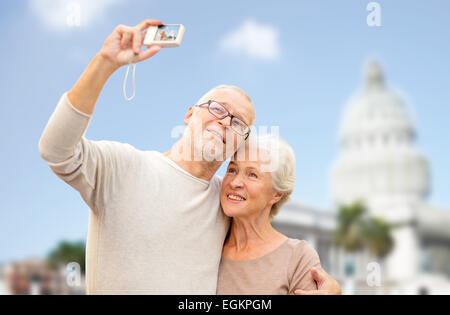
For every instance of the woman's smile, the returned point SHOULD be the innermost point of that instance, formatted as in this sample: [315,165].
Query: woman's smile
[235,198]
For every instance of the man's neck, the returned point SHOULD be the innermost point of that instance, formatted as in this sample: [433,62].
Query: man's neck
[201,169]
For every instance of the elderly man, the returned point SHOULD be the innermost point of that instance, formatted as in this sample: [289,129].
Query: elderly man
[155,224]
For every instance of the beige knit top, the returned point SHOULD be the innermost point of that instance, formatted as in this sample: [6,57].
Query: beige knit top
[282,271]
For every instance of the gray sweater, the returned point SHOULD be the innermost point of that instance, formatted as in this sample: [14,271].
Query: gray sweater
[153,227]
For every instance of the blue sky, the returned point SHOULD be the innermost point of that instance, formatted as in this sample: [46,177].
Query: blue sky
[300,80]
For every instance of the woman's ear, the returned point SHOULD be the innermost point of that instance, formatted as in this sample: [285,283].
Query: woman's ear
[276,197]
[188,116]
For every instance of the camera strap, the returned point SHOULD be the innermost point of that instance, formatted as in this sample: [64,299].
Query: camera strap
[125,83]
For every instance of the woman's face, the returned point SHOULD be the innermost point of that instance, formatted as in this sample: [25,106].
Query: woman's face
[246,190]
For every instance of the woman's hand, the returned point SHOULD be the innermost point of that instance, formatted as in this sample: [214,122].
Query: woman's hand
[124,45]
[326,285]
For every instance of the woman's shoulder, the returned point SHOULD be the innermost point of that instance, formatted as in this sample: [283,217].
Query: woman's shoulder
[300,246]
[302,253]
[303,258]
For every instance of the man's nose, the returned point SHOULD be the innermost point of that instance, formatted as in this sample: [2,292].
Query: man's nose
[225,121]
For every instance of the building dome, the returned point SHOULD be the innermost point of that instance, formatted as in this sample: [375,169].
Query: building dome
[377,153]
[375,110]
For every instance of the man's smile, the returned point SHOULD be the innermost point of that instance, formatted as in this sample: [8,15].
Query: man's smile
[216,134]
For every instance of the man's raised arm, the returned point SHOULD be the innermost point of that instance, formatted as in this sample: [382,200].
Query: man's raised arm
[93,167]
[122,47]
[71,117]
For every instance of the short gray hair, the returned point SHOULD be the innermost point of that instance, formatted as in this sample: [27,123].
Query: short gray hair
[281,156]
[225,87]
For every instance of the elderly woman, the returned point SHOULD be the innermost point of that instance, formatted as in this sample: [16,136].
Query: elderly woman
[257,259]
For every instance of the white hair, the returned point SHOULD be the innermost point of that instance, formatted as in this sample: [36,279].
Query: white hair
[224,87]
[281,158]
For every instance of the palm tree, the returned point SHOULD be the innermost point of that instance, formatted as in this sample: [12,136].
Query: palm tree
[378,237]
[356,231]
[350,227]
[67,252]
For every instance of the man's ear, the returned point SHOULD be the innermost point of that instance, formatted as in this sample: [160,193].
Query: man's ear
[188,116]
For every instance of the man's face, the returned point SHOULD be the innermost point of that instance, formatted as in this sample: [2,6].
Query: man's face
[213,136]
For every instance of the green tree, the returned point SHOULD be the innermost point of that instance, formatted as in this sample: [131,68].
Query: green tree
[378,237]
[67,252]
[356,230]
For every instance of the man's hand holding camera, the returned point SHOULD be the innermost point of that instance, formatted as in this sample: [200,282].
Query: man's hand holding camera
[124,45]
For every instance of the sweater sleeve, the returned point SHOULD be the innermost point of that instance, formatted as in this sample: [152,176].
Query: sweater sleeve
[303,259]
[96,169]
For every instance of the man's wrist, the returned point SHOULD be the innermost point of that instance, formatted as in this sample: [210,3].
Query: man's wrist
[105,64]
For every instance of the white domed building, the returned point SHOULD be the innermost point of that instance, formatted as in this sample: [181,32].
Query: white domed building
[380,166]
[378,160]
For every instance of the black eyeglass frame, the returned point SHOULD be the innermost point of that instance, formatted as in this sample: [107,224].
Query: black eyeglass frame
[246,134]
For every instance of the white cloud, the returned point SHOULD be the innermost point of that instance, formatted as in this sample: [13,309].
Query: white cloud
[253,40]
[59,15]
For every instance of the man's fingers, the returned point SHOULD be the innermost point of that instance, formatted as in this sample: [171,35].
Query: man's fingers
[312,292]
[126,38]
[151,51]
[146,23]
[325,282]
[137,40]
[144,33]
[132,37]
[318,275]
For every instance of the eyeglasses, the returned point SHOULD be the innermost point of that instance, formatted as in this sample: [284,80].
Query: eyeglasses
[219,111]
